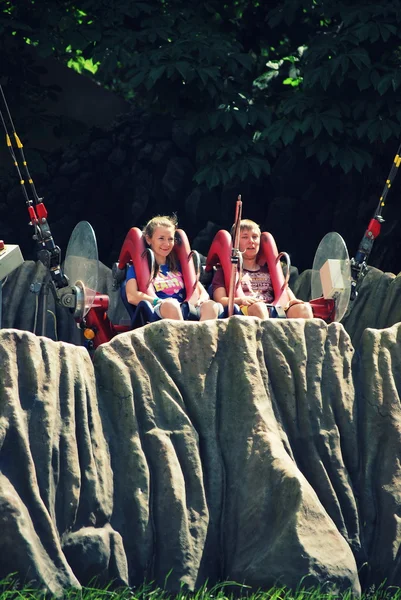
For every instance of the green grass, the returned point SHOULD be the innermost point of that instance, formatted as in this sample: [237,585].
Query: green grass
[10,589]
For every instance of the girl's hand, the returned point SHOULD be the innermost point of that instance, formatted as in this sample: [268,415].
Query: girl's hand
[247,301]
[201,301]
[198,297]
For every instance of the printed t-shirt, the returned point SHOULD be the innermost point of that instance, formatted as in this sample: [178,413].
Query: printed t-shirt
[254,283]
[167,284]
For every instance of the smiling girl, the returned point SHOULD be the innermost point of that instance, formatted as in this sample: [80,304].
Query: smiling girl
[168,281]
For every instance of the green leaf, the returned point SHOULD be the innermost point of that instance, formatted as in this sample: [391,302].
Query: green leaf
[396,80]
[375,78]
[213,179]
[258,165]
[274,18]
[242,169]
[374,33]
[255,168]
[91,33]
[202,121]
[362,31]
[344,64]
[137,79]
[364,80]
[264,115]
[345,161]
[331,121]
[209,175]
[374,130]
[359,57]
[311,78]
[386,130]
[253,114]
[273,133]
[212,72]
[201,175]
[385,83]
[226,120]
[322,154]
[288,134]
[221,153]
[334,64]
[245,60]
[214,119]
[232,170]
[156,73]
[203,75]
[357,159]
[77,41]
[324,77]
[207,147]
[309,146]
[170,71]
[386,31]
[317,125]
[363,128]
[225,177]
[45,49]
[183,68]
[109,63]
[366,156]
[306,123]
[241,117]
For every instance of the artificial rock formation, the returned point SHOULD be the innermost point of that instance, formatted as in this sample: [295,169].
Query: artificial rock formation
[259,452]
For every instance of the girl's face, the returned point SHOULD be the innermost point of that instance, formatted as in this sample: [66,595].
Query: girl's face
[249,242]
[161,242]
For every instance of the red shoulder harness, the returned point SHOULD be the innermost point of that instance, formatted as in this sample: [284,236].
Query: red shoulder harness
[220,252]
[134,251]
[268,254]
[185,258]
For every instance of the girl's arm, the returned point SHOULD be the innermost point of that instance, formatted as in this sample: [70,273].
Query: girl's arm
[220,295]
[134,296]
[203,295]
[200,295]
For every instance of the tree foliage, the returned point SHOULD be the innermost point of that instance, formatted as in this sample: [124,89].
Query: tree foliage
[245,78]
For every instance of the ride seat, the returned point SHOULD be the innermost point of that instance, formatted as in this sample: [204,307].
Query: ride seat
[142,313]
[136,252]
[220,254]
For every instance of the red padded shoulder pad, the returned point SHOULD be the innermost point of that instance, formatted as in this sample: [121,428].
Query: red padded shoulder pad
[185,258]
[220,253]
[268,254]
[134,251]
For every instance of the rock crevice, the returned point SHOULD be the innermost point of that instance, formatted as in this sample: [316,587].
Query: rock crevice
[260,452]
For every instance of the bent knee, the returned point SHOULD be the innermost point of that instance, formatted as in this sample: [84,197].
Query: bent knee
[171,302]
[259,309]
[300,311]
[171,309]
[210,309]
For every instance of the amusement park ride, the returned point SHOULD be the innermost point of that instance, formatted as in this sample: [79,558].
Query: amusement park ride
[334,283]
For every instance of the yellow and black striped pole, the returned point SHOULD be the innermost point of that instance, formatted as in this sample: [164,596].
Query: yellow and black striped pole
[20,147]
[389,182]
[359,263]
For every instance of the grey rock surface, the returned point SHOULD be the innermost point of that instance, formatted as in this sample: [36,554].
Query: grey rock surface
[260,452]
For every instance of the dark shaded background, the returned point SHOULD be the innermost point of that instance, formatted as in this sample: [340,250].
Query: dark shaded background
[93,157]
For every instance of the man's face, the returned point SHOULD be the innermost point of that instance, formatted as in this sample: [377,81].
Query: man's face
[249,242]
